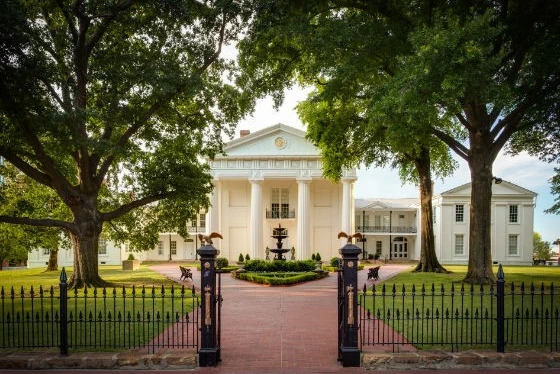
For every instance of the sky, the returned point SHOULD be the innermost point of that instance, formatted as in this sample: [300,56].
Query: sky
[524,170]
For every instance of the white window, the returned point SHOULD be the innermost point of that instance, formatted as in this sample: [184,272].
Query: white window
[173,245]
[513,245]
[378,247]
[127,248]
[459,245]
[280,203]
[160,248]
[102,246]
[434,214]
[513,214]
[377,221]
[202,220]
[459,213]
[46,251]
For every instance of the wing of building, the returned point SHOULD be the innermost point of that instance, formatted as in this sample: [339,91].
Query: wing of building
[274,177]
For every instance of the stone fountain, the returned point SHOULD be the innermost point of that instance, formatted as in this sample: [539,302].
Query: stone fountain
[279,233]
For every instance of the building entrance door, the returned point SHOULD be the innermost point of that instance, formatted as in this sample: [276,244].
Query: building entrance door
[400,248]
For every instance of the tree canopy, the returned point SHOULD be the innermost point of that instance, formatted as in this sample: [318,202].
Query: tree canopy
[114,105]
[472,74]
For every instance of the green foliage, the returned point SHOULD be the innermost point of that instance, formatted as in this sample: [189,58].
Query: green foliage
[541,248]
[318,257]
[240,258]
[130,257]
[278,279]
[335,261]
[313,256]
[117,114]
[277,266]
[222,262]
[247,257]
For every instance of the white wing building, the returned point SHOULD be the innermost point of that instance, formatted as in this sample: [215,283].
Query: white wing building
[274,177]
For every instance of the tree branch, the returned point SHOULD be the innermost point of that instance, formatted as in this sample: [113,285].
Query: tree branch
[125,208]
[457,147]
[69,20]
[100,31]
[47,222]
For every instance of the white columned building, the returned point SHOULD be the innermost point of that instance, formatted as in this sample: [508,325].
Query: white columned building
[271,178]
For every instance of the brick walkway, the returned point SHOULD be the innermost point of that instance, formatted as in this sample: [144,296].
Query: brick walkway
[279,329]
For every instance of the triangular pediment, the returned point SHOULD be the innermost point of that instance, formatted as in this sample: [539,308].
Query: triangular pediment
[504,188]
[276,141]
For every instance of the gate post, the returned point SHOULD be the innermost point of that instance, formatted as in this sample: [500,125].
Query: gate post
[209,353]
[349,351]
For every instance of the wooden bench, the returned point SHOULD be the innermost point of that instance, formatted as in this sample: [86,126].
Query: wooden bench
[373,273]
[185,273]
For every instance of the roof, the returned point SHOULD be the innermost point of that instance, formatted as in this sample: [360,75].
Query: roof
[388,204]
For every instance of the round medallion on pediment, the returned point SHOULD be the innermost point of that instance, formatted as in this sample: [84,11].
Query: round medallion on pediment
[280,142]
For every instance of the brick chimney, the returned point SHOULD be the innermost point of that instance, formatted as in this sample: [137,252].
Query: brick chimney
[243,133]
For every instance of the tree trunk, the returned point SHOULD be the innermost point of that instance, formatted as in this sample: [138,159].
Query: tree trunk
[53,260]
[428,259]
[85,241]
[480,250]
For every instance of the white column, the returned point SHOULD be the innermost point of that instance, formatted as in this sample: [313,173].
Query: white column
[213,219]
[302,244]
[256,222]
[347,224]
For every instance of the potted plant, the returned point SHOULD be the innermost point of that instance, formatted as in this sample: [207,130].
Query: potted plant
[318,262]
[131,263]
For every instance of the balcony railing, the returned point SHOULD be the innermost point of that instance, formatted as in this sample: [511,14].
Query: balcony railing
[285,214]
[387,229]
[200,229]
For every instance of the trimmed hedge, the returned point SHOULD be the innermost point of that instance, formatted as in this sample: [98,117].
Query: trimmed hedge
[279,279]
[279,266]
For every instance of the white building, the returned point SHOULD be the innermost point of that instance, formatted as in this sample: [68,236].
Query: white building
[274,177]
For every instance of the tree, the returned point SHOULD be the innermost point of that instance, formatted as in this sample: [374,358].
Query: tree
[541,249]
[22,196]
[113,105]
[489,67]
[12,244]
[348,138]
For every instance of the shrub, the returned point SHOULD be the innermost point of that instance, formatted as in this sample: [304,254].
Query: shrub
[374,257]
[221,262]
[313,256]
[274,279]
[277,266]
[334,262]
[318,257]
[247,258]
[240,259]
[130,257]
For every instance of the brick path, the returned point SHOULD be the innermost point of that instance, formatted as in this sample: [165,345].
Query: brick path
[279,329]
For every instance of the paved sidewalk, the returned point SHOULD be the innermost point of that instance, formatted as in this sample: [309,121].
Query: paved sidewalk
[288,329]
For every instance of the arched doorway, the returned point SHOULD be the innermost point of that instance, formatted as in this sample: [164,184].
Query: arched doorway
[399,248]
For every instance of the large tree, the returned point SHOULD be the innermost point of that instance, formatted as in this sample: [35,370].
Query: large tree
[113,105]
[490,67]
[348,137]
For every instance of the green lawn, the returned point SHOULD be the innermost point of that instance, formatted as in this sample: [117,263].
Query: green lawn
[433,310]
[140,308]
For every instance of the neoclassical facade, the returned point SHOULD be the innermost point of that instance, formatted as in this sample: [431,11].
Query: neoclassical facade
[274,177]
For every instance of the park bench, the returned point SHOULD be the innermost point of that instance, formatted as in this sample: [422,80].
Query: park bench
[185,273]
[373,273]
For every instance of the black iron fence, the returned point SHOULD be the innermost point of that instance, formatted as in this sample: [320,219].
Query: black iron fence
[462,317]
[99,319]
